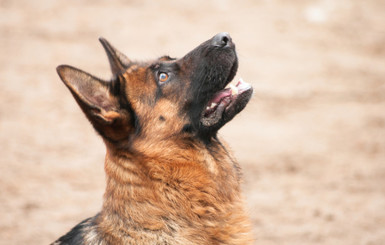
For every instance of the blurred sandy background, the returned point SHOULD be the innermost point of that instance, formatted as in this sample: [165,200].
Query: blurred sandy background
[311,142]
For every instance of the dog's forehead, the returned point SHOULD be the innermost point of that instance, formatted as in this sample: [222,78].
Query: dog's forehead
[138,82]
[138,71]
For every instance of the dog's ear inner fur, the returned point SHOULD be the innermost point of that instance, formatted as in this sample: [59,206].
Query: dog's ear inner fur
[95,98]
[91,93]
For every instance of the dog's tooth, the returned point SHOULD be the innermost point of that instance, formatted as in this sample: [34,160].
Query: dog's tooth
[242,84]
[234,90]
[211,106]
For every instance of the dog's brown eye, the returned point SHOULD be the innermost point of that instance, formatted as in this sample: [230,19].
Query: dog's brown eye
[163,77]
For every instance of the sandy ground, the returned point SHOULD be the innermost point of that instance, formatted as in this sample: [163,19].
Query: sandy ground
[311,142]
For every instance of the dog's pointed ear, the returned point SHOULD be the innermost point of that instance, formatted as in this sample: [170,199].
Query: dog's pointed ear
[92,94]
[118,61]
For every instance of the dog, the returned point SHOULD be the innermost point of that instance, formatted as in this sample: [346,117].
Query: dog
[169,178]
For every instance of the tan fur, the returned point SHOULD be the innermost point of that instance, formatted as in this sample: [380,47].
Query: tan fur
[181,195]
[163,186]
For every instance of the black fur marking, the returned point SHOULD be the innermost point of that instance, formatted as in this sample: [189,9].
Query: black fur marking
[187,128]
[76,235]
[214,67]
[127,105]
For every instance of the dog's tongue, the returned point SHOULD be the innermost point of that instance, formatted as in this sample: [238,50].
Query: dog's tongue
[222,101]
[231,90]
[221,94]
[225,96]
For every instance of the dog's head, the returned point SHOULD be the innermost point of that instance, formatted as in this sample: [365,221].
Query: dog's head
[165,98]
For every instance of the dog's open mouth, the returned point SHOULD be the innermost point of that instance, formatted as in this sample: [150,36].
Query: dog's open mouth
[226,103]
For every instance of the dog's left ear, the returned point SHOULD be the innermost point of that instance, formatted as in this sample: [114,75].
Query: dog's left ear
[97,101]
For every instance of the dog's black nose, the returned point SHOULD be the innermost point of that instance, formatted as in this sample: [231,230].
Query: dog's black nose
[222,39]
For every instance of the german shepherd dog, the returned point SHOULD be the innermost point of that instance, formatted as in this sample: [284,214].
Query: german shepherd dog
[169,179]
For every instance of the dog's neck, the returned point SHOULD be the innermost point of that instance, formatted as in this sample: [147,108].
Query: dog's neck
[145,193]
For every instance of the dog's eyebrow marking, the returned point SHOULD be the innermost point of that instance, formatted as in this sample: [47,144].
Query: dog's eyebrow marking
[166,58]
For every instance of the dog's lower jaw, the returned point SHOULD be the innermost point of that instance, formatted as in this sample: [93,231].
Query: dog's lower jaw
[143,200]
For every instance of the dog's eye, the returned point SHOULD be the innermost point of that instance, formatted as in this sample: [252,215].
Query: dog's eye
[163,77]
